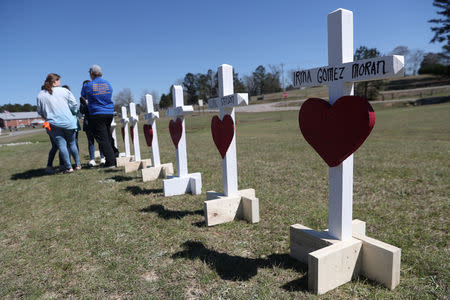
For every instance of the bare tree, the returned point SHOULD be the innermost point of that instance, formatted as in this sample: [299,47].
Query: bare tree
[124,97]
[250,83]
[413,60]
[400,50]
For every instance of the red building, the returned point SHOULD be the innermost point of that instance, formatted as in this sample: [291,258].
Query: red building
[20,119]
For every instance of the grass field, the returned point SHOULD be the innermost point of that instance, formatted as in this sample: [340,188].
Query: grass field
[105,234]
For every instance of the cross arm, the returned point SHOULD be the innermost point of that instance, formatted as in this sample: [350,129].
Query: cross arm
[362,70]
[239,99]
[180,110]
[151,116]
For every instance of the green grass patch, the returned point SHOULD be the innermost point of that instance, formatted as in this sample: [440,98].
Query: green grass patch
[105,234]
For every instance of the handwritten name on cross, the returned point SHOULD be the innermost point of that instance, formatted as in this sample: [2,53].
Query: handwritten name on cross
[362,70]
[340,75]
[180,110]
[226,102]
[151,117]
[134,118]
[126,138]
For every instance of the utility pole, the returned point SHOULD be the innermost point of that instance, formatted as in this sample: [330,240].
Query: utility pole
[282,76]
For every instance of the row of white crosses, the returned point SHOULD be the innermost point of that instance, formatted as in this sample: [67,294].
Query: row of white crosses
[148,173]
[333,257]
[219,207]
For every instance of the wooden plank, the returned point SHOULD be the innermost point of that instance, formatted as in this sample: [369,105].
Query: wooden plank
[380,261]
[333,266]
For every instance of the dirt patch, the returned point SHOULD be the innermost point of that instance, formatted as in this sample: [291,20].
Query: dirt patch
[150,276]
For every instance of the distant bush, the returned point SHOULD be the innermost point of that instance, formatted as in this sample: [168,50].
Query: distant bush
[436,69]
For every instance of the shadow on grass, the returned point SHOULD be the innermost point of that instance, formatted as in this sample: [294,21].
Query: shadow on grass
[237,268]
[29,174]
[297,285]
[121,178]
[199,224]
[112,170]
[170,214]
[136,190]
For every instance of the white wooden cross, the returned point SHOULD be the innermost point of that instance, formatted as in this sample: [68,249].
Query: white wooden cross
[179,110]
[185,182]
[134,119]
[151,117]
[339,75]
[126,138]
[113,132]
[226,102]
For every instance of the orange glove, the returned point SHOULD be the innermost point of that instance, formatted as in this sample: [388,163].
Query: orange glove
[46,125]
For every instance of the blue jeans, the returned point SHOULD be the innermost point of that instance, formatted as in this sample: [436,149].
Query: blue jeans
[63,138]
[90,138]
[53,150]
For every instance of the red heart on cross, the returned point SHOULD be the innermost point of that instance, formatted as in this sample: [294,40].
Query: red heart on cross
[148,133]
[336,131]
[176,130]
[222,132]
[132,133]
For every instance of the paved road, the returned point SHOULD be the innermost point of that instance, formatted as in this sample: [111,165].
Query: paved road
[6,133]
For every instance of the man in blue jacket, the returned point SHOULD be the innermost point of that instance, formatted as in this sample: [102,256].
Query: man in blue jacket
[98,92]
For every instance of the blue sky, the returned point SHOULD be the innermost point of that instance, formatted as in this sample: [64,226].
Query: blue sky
[153,44]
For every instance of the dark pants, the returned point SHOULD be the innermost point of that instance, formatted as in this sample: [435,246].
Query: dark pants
[101,127]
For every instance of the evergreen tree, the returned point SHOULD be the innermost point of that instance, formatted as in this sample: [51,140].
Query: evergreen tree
[165,101]
[442,28]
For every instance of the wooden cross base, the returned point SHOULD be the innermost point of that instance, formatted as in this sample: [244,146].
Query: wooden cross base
[191,183]
[120,161]
[219,208]
[333,262]
[153,173]
[133,166]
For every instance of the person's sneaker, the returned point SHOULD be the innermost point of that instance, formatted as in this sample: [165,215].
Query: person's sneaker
[92,163]
[102,161]
[68,171]
[78,167]
[50,170]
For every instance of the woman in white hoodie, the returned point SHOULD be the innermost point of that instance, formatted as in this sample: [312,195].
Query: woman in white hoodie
[58,105]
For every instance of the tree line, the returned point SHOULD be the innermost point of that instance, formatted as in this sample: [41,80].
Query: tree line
[201,86]
[17,107]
